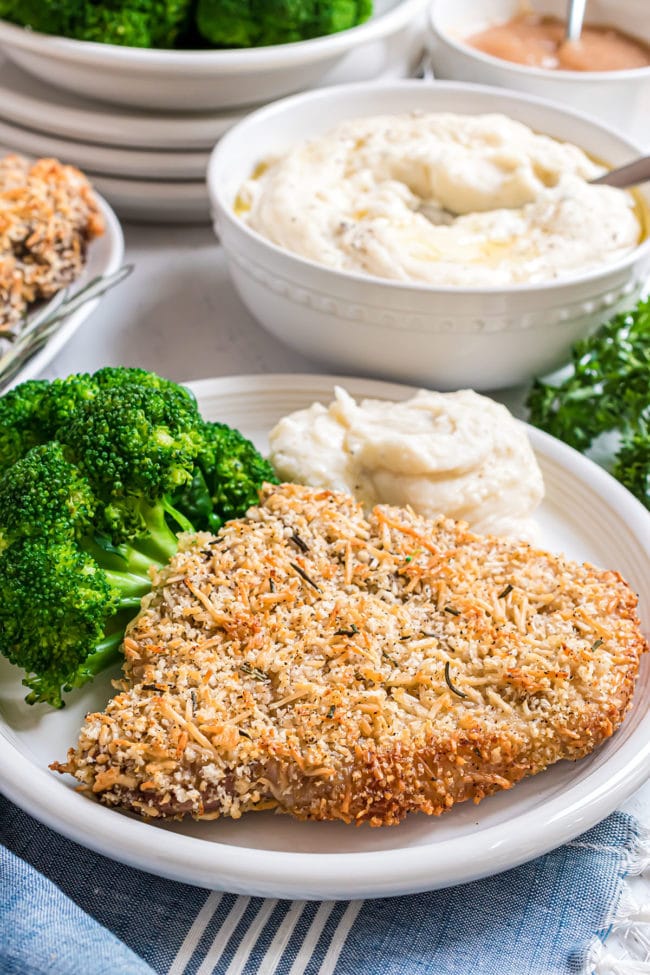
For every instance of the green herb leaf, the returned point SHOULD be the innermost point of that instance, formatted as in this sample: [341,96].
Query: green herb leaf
[254,672]
[352,629]
[303,575]
[454,690]
[299,542]
[608,390]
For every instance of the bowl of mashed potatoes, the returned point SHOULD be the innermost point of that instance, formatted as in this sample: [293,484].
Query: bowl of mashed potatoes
[440,233]
[521,45]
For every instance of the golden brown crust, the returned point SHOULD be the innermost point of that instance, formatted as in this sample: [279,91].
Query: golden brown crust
[314,662]
[48,215]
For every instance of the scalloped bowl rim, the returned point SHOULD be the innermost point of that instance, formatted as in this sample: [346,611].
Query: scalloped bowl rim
[626,74]
[224,209]
[231,59]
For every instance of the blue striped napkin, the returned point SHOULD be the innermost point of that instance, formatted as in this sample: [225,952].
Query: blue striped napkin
[66,911]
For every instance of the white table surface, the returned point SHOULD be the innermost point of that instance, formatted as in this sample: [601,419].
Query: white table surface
[179,315]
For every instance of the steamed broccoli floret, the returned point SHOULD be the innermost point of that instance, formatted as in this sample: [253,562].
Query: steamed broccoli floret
[32,412]
[253,23]
[135,23]
[61,400]
[172,23]
[226,479]
[64,587]
[19,420]
[54,605]
[131,23]
[136,445]
[133,434]
[44,496]
[51,17]
[87,510]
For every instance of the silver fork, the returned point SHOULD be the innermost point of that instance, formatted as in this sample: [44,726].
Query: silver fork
[44,324]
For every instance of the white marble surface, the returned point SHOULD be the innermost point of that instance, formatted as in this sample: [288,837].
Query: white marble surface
[179,315]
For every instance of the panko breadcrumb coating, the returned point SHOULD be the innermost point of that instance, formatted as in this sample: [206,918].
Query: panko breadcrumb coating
[48,215]
[311,661]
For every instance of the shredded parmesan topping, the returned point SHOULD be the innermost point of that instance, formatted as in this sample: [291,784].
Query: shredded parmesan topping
[331,666]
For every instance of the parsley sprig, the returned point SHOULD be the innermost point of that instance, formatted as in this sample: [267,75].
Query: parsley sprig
[608,390]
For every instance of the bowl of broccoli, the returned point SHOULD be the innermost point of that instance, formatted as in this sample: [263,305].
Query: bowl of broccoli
[197,54]
[99,476]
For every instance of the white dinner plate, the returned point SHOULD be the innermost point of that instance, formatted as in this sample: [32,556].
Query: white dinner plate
[105,256]
[28,101]
[586,514]
[155,164]
[155,201]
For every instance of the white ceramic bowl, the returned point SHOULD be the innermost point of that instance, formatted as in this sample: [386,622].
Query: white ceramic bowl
[441,337]
[200,80]
[619,98]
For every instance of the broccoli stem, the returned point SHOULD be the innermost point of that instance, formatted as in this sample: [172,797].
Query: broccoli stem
[155,546]
[131,587]
[118,558]
[127,570]
[183,523]
[43,689]
[106,653]
[126,567]
[160,541]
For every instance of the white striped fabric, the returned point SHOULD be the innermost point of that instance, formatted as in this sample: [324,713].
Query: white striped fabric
[223,936]
[248,942]
[258,924]
[193,936]
[340,937]
[314,932]
[276,949]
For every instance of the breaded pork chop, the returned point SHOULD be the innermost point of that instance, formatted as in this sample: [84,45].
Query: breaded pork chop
[48,216]
[312,661]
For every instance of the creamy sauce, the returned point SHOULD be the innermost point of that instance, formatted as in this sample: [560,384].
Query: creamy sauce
[444,199]
[538,41]
[457,454]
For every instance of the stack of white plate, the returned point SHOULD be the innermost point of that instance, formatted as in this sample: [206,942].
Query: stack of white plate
[146,152]
[147,166]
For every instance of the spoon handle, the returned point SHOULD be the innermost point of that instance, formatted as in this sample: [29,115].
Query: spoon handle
[574,20]
[625,176]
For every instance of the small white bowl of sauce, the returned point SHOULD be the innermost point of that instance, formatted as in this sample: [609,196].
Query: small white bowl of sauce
[520,45]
